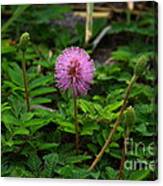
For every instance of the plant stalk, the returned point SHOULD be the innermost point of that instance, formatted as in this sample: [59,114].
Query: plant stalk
[121,172]
[76,123]
[89,23]
[25,81]
[129,11]
[116,124]
[128,127]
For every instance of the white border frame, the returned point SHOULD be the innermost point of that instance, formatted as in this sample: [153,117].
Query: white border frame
[61,182]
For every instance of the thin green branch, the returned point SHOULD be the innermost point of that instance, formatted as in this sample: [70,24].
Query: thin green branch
[76,123]
[25,81]
[116,124]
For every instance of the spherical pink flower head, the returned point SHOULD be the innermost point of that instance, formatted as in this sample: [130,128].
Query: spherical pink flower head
[74,70]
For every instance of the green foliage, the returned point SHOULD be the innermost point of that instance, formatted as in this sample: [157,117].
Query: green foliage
[40,142]
[139,175]
[111,173]
[140,66]
[50,163]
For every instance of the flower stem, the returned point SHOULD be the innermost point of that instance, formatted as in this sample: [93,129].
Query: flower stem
[76,123]
[116,124]
[25,81]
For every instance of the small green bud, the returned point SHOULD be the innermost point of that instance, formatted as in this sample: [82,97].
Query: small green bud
[24,40]
[140,66]
[130,118]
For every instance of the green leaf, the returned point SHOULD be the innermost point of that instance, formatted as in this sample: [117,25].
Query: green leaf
[139,174]
[92,148]
[16,75]
[116,153]
[9,120]
[122,54]
[39,112]
[20,171]
[142,128]
[66,171]
[34,122]
[45,64]
[72,172]
[88,128]
[41,91]
[21,131]
[9,143]
[100,139]
[13,86]
[47,146]
[114,145]
[111,173]
[27,116]
[95,175]
[40,100]
[5,106]
[40,81]
[66,126]
[77,159]
[105,133]
[142,90]
[114,106]
[107,112]
[86,106]
[51,161]
[34,164]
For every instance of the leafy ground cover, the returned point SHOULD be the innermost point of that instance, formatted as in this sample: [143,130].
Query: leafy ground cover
[40,142]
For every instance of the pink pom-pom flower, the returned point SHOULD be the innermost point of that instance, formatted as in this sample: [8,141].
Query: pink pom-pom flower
[74,70]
